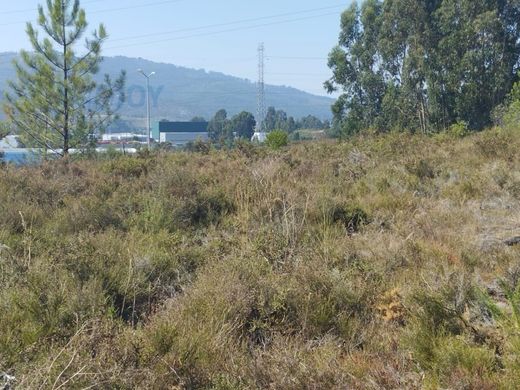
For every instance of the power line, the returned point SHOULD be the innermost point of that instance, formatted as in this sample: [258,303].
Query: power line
[297,74]
[226,30]
[298,58]
[209,33]
[240,21]
[223,31]
[19,11]
[110,9]
[135,6]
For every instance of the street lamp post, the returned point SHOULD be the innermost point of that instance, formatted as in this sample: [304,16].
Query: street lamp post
[147,76]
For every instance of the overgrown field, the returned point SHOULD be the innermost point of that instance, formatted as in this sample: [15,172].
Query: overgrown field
[374,264]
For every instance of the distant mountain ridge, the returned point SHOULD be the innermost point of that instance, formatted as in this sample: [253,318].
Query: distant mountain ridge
[180,93]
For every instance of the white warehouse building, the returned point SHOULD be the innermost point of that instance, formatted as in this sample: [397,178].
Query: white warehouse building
[180,133]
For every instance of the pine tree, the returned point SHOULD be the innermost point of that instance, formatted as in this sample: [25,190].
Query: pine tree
[4,129]
[55,102]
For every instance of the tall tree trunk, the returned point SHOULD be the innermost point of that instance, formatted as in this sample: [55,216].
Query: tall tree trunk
[66,88]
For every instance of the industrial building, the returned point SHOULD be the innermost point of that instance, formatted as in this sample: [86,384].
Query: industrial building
[180,133]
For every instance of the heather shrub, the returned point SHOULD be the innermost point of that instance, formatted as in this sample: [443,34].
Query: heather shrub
[444,340]
[127,166]
[203,210]
[197,333]
[422,169]
[351,217]
[86,214]
[155,214]
[495,143]
[198,146]
[373,263]
[44,304]
[460,363]
[296,364]
[334,303]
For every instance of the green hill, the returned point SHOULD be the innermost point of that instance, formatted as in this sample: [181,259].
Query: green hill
[183,93]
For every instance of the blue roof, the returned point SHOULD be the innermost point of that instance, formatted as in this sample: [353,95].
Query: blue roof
[183,127]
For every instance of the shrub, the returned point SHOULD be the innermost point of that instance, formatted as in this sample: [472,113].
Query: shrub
[496,143]
[127,166]
[154,214]
[198,146]
[277,139]
[246,148]
[461,363]
[458,130]
[351,217]
[203,210]
[422,169]
[45,303]
[440,314]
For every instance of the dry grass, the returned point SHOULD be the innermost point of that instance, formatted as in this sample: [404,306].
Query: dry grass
[368,264]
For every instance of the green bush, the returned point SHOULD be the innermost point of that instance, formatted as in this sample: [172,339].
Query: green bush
[277,139]
[512,115]
[458,130]
[154,215]
[461,363]
[352,218]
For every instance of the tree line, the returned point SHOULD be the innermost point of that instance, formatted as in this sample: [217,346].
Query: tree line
[222,129]
[416,65]
[424,65]
[279,120]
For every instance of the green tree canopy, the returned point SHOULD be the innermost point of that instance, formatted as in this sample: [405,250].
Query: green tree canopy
[217,126]
[243,124]
[55,103]
[279,120]
[311,122]
[424,65]
[270,119]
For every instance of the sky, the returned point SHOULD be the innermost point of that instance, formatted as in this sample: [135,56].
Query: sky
[216,35]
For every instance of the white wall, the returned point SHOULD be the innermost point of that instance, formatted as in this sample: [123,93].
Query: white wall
[182,138]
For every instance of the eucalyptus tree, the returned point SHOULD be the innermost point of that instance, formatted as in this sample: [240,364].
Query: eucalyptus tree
[55,103]
[424,64]
[243,124]
[217,127]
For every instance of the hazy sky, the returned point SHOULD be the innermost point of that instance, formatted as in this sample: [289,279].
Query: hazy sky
[218,35]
